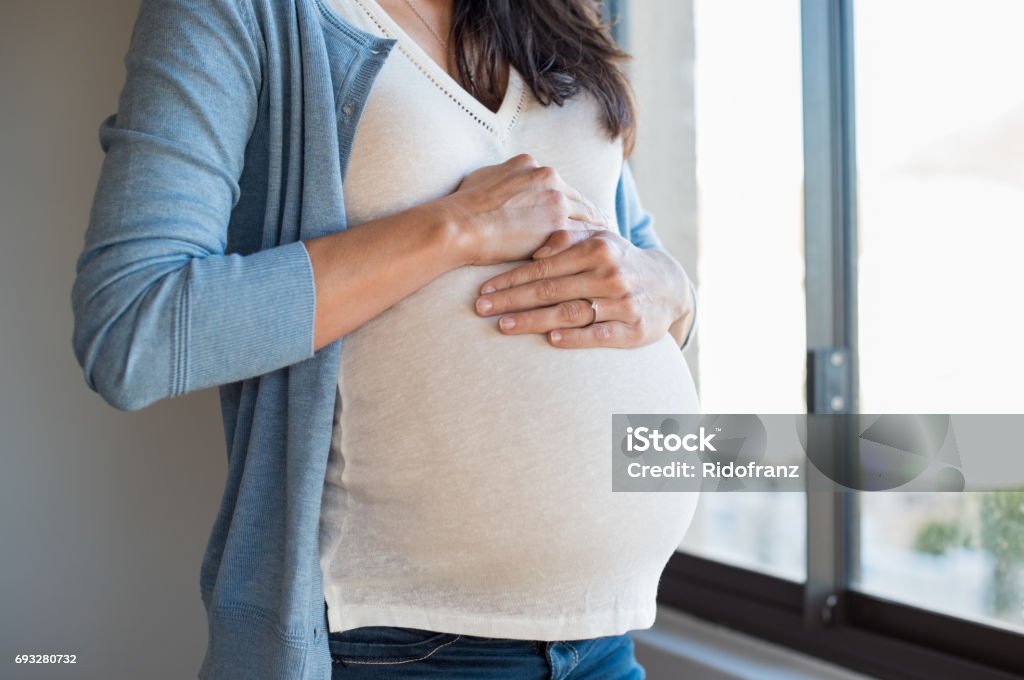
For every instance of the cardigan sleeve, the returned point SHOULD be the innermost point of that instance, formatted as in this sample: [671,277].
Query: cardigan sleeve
[159,308]
[639,226]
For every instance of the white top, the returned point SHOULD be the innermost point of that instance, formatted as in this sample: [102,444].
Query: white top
[468,487]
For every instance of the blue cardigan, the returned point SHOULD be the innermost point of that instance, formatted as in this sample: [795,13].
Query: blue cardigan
[227,150]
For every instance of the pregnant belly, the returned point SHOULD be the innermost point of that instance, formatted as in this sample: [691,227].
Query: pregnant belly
[491,454]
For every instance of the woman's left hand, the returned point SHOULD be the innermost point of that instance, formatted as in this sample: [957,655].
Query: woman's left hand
[640,293]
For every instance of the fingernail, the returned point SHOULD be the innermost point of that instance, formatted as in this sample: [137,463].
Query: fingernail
[487,289]
[555,336]
[543,252]
[507,323]
[483,305]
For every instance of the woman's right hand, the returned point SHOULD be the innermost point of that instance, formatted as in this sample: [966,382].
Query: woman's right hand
[507,211]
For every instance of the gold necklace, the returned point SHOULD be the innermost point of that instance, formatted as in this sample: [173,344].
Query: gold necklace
[444,43]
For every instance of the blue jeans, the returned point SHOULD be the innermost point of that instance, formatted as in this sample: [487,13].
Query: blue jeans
[396,653]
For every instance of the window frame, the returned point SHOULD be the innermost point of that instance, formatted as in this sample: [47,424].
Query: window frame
[825,616]
[867,634]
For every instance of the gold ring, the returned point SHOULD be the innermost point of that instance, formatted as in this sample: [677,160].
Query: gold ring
[593,305]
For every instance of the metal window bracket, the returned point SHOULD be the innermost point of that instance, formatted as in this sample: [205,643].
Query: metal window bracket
[829,380]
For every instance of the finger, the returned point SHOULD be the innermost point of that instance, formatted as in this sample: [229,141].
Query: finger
[580,207]
[571,314]
[542,293]
[603,334]
[563,239]
[520,161]
[576,195]
[569,190]
[604,244]
[585,211]
[597,253]
[566,263]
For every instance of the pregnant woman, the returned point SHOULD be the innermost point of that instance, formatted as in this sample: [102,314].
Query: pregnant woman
[402,239]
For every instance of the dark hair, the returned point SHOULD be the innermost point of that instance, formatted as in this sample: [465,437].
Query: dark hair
[559,47]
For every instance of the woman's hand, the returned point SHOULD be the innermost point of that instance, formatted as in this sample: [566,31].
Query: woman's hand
[641,293]
[505,212]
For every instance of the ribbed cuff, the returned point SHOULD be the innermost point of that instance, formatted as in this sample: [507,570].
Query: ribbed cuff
[244,316]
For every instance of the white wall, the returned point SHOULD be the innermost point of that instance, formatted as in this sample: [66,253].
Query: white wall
[103,514]
[660,37]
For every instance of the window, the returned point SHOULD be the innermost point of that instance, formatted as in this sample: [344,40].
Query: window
[742,201]
[749,170]
[940,150]
[886,224]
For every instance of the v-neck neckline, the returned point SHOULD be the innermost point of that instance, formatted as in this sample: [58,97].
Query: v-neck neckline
[499,122]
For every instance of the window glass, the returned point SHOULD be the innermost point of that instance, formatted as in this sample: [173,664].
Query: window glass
[748,116]
[940,136]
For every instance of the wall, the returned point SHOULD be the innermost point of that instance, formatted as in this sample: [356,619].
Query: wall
[103,514]
[659,34]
